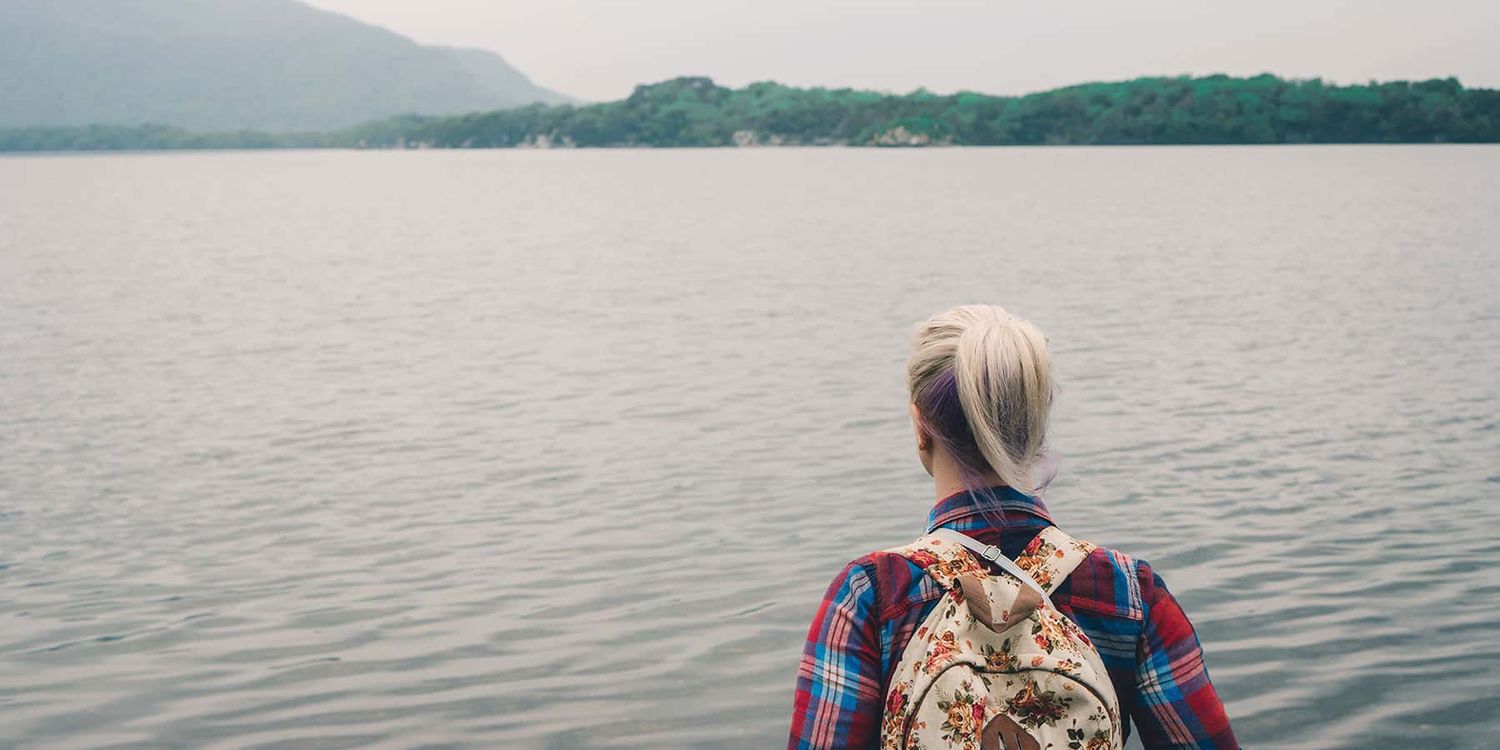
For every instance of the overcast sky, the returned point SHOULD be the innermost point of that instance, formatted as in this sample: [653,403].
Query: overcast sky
[599,49]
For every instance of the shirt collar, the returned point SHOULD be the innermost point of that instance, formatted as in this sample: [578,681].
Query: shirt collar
[965,504]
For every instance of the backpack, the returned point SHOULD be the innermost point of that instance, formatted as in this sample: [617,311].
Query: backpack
[996,666]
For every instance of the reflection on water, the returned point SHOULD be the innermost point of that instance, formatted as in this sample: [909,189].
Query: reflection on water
[560,449]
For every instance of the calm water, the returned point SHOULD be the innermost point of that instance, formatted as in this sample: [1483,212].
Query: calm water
[544,449]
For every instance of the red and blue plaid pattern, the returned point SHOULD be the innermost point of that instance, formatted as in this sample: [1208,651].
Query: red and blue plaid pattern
[875,604]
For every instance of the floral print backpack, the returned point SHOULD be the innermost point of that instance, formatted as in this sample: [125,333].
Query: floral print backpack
[996,666]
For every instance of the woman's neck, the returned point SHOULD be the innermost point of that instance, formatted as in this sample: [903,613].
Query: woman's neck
[948,477]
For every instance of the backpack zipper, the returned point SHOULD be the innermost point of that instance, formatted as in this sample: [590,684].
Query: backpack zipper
[907,725]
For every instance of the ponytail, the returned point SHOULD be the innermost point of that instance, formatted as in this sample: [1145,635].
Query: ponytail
[981,379]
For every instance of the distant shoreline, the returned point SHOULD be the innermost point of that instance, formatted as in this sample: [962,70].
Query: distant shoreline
[16,154]
[696,113]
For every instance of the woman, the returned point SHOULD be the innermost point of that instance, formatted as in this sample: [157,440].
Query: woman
[981,389]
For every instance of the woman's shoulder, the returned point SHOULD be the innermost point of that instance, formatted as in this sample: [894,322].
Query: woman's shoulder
[1110,582]
[884,582]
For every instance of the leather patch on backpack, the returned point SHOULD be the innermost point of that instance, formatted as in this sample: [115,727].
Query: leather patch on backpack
[1026,602]
[1003,733]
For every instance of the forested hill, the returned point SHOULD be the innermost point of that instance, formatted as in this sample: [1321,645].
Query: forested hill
[697,112]
[1214,109]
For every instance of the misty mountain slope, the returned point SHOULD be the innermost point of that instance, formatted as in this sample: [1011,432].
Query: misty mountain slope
[231,64]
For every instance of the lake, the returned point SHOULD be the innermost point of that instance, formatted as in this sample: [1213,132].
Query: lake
[560,449]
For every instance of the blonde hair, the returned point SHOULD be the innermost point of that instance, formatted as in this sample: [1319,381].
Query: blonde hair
[981,380]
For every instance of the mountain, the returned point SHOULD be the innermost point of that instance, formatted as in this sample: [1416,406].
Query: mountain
[274,65]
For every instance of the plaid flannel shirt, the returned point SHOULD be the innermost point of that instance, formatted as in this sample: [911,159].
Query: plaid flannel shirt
[875,604]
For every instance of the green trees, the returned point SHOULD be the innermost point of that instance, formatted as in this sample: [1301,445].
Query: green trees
[1212,109]
[697,112]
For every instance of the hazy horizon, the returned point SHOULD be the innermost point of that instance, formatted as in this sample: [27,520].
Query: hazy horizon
[599,50]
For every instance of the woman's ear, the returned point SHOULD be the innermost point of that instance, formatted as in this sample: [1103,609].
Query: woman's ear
[924,440]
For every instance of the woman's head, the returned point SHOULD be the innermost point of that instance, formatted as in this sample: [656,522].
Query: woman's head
[981,388]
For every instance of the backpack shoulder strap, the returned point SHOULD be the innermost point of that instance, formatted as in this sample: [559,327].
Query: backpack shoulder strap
[945,561]
[942,554]
[1052,556]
